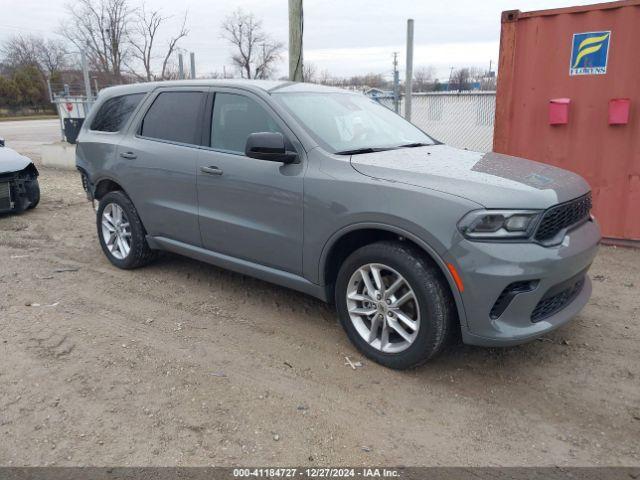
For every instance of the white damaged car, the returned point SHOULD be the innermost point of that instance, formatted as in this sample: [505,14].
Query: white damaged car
[19,189]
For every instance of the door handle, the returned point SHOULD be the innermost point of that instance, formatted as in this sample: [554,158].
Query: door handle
[129,155]
[211,170]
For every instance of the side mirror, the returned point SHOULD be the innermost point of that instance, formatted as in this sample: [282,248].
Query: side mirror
[268,146]
[1,142]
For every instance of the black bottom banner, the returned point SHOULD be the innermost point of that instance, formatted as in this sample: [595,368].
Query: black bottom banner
[233,473]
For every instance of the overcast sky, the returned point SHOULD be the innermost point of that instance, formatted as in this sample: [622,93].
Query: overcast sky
[346,37]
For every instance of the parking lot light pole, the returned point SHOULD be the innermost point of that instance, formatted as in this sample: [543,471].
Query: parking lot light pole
[408,82]
[85,74]
[396,84]
[180,67]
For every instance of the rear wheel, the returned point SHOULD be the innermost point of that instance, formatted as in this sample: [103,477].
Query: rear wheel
[394,304]
[121,233]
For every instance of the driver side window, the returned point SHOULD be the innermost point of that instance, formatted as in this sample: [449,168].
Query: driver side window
[235,117]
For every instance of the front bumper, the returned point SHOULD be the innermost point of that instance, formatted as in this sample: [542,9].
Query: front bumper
[487,269]
[15,191]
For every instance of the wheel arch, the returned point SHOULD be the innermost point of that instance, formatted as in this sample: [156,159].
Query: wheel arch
[350,238]
[105,185]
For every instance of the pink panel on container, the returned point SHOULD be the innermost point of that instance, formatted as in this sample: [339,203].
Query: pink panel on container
[619,111]
[559,111]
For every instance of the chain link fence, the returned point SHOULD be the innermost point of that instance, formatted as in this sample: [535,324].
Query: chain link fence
[463,120]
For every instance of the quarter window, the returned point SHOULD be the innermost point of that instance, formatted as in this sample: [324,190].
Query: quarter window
[235,117]
[115,112]
[175,117]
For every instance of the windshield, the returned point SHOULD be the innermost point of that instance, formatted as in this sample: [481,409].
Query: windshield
[344,122]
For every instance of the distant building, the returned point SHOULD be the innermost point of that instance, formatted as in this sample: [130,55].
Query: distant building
[376,93]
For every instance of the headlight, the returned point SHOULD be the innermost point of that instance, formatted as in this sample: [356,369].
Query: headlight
[499,224]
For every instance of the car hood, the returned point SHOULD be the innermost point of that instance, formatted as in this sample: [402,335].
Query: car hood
[12,161]
[492,180]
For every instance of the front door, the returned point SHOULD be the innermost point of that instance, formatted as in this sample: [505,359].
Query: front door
[249,209]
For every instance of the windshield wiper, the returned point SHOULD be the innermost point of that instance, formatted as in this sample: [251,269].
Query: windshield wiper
[414,145]
[359,151]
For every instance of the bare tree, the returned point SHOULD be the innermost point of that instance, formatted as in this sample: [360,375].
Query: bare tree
[49,56]
[143,37]
[476,74]
[19,50]
[483,78]
[256,53]
[460,79]
[271,53]
[325,78]
[423,78]
[370,80]
[99,27]
[53,56]
[309,72]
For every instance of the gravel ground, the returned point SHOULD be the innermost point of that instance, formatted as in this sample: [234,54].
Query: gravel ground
[182,363]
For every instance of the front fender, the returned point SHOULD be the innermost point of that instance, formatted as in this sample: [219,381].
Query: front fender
[404,233]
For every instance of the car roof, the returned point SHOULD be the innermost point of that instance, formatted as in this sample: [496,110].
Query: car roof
[267,86]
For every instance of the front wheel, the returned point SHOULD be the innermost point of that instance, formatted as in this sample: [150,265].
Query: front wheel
[121,234]
[394,304]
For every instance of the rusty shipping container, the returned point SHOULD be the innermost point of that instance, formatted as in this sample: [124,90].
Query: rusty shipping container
[569,95]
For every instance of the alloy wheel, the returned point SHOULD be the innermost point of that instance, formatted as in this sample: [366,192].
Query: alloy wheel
[383,308]
[116,231]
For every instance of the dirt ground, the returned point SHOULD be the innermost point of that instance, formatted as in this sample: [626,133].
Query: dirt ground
[182,363]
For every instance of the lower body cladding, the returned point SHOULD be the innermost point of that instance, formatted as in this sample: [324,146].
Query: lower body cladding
[515,292]
[18,191]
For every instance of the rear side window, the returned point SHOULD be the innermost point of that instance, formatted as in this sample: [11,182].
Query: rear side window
[235,117]
[174,116]
[115,112]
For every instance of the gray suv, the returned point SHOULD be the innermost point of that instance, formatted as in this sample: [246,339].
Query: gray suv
[329,193]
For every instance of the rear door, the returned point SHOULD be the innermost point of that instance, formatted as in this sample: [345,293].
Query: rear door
[98,140]
[158,161]
[249,209]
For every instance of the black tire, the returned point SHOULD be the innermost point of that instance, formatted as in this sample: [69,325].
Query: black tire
[33,189]
[140,253]
[437,308]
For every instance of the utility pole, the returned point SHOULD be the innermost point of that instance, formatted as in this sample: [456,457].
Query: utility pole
[192,58]
[85,74]
[408,82]
[180,67]
[396,84]
[296,27]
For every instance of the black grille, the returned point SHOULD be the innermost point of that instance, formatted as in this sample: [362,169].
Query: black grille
[563,216]
[550,305]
